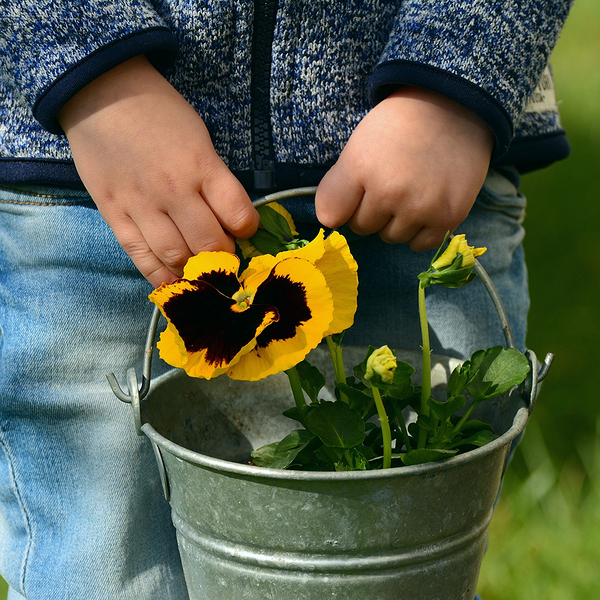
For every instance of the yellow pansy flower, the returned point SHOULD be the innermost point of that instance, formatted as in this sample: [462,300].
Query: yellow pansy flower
[263,321]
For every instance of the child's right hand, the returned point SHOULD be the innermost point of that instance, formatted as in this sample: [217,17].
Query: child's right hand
[147,160]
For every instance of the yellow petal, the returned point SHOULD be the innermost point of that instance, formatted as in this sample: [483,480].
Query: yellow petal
[312,251]
[171,347]
[277,355]
[340,270]
[258,269]
[450,252]
[333,258]
[166,291]
[382,362]
[205,262]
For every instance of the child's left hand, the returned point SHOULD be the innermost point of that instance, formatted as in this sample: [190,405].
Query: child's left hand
[410,171]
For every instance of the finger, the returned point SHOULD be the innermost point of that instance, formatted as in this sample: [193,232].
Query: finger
[372,214]
[229,202]
[338,197]
[166,241]
[427,238]
[143,257]
[199,226]
[400,228]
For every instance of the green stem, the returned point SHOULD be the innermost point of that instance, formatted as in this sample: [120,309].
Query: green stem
[403,429]
[466,416]
[297,391]
[426,377]
[335,351]
[385,429]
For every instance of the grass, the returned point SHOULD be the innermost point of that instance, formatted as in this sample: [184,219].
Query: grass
[538,548]
[543,538]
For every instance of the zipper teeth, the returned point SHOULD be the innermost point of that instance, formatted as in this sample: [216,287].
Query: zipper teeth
[265,13]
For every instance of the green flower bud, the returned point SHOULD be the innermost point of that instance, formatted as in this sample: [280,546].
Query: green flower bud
[454,266]
[458,245]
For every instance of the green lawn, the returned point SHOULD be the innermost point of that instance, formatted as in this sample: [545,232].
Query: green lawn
[544,536]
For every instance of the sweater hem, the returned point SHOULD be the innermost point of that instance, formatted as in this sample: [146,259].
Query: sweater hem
[531,154]
[62,173]
[39,171]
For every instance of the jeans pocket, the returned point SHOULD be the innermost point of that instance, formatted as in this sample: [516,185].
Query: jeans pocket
[500,194]
[38,195]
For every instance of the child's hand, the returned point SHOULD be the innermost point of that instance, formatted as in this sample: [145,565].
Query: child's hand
[146,158]
[411,170]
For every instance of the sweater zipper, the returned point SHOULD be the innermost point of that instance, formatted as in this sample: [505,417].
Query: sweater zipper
[265,13]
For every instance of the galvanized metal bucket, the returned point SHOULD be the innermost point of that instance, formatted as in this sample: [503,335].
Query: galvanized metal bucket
[250,533]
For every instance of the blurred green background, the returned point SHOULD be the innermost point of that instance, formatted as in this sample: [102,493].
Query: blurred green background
[545,535]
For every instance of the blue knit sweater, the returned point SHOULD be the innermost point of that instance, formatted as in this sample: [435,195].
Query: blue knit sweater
[281,84]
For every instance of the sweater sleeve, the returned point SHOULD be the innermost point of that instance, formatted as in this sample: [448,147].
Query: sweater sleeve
[487,55]
[51,49]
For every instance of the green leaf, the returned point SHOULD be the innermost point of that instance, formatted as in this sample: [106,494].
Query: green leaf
[473,425]
[298,439]
[336,424]
[275,223]
[419,456]
[337,337]
[367,452]
[293,413]
[444,410]
[400,386]
[267,243]
[265,456]
[495,371]
[413,430]
[311,379]
[480,438]
[403,374]
[352,460]
[360,399]
[459,378]
[361,369]
[328,456]
[280,455]
[424,422]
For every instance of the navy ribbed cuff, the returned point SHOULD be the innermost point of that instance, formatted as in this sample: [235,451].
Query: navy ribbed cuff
[388,76]
[158,44]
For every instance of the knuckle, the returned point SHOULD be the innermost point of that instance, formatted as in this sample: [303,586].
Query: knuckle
[174,257]
[158,275]
[243,221]
[136,248]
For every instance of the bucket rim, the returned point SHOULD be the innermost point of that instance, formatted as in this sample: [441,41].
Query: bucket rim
[246,470]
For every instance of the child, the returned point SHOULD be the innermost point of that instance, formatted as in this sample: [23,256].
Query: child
[395,109]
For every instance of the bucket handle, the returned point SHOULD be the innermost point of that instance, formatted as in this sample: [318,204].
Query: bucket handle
[137,392]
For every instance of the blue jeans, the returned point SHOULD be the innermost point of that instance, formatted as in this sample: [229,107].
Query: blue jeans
[82,513]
